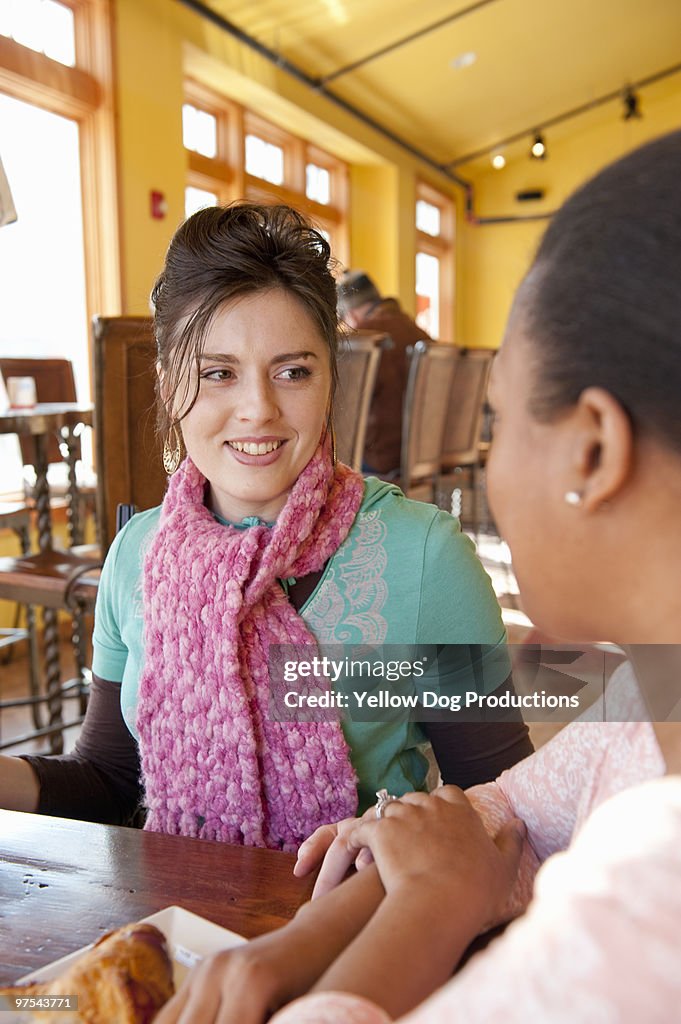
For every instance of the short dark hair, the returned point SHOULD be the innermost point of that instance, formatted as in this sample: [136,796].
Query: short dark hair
[223,252]
[355,288]
[603,298]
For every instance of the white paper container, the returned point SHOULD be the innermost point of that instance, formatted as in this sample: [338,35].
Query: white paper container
[190,938]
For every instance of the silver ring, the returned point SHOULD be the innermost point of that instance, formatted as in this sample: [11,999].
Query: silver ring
[383,799]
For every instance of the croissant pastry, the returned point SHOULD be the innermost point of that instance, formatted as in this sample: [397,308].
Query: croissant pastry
[125,978]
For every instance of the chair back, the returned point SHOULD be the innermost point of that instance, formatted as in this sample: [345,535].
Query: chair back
[54,382]
[129,466]
[358,358]
[463,425]
[431,372]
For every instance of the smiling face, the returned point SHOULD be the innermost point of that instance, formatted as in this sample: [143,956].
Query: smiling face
[262,403]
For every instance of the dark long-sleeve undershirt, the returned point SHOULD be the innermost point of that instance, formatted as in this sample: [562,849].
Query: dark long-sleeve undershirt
[100,779]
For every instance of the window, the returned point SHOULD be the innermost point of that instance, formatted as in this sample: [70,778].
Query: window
[43,248]
[198,199]
[318,184]
[434,262]
[233,153]
[199,130]
[264,160]
[428,293]
[42,25]
[58,152]
[427,218]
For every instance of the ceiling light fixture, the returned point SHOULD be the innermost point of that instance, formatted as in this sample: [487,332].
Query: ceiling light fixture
[630,100]
[498,161]
[538,150]
[464,60]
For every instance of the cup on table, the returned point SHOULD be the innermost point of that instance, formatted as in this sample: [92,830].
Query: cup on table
[21,392]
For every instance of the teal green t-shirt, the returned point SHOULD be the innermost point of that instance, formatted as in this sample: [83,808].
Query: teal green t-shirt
[405,574]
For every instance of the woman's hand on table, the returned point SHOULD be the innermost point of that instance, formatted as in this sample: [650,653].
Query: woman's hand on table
[247,984]
[326,846]
[236,986]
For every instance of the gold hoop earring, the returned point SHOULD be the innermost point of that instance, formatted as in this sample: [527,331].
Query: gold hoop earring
[172,450]
[334,453]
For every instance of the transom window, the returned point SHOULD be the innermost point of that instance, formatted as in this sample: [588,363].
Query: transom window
[428,217]
[264,160]
[42,25]
[199,130]
[318,184]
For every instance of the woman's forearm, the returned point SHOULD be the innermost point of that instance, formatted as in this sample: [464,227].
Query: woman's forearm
[409,948]
[252,981]
[328,925]
[19,786]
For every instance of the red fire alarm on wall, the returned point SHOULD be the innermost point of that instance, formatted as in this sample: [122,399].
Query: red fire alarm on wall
[157,205]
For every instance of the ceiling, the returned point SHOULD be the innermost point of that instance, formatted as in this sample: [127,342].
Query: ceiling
[535,60]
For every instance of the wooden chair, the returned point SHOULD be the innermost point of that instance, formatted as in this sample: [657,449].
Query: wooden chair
[53,580]
[15,516]
[36,579]
[358,359]
[431,371]
[129,470]
[127,451]
[462,458]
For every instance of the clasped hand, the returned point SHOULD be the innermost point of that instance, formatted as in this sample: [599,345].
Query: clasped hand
[434,847]
[436,841]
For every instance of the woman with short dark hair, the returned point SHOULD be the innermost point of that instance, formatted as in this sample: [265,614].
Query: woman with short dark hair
[584,478]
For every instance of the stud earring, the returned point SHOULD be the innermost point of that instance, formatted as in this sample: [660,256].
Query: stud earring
[573,498]
[172,450]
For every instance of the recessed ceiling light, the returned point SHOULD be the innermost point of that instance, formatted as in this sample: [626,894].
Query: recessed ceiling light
[464,60]
[498,161]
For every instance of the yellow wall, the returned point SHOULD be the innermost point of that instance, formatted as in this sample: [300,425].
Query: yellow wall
[493,258]
[150,154]
[157,44]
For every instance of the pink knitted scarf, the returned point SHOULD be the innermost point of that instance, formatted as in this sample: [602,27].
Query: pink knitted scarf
[214,765]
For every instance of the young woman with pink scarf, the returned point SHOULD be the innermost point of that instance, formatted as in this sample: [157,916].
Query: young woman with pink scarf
[262,539]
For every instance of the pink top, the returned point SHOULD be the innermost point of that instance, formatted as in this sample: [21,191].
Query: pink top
[599,940]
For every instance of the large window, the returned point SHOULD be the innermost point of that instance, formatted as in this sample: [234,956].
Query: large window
[59,260]
[435,262]
[233,153]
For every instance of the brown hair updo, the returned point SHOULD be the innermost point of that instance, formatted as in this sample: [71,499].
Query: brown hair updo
[227,251]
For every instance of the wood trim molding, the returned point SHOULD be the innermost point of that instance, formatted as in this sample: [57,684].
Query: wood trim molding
[208,167]
[37,79]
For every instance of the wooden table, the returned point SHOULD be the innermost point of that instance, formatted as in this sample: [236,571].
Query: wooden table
[64,883]
[39,422]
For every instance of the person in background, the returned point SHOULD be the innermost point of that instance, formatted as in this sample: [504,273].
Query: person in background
[361,307]
[584,479]
[262,540]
